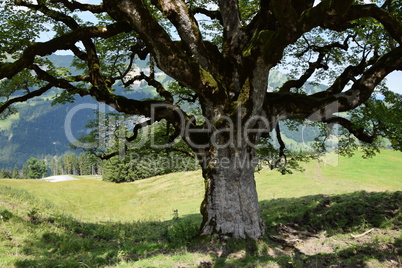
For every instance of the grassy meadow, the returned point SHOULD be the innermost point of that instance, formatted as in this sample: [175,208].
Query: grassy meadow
[342,211]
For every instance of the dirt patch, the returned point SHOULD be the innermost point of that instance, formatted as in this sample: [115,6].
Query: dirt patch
[384,246]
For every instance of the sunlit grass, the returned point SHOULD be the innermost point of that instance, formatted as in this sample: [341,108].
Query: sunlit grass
[92,200]
[92,223]
[338,176]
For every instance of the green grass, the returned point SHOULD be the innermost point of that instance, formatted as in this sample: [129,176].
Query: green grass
[92,223]
[94,201]
[342,175]
[91,200]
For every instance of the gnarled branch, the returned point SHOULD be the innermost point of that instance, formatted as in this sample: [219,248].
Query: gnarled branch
[57,16]
[213,14]
[74,5]
[288,85]
[64,42]
[183,20]
[282,146]
[292,105]
[152,82]
[357,132]
[25,97]
[391,24]
[170,58]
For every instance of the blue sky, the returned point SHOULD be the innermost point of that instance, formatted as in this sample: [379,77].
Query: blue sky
[394,81]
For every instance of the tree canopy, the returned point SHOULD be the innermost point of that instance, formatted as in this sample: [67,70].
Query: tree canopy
[221,53]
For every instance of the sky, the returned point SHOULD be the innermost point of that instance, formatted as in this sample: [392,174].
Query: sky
[394,82]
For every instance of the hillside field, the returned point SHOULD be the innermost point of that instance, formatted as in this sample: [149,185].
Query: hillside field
[152,222]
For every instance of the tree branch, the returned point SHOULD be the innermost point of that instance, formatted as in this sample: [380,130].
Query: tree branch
[231,19]
[152,82]
[192,98]
[26,97]
[106,156]
[74,5]
[136,128]
[357,132]
[363,88]
[123,104]
[181,17]
[78,53]
[63,42]
[92,60]
[234,37]
[288,85]
[170,58]
[323,51]
[285,14]
[348,75]
[281,146]
[138,49]
[292,105]
[391,24]
[213,14]
[57,16]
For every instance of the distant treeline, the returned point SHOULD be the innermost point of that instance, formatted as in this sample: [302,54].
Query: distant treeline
[131,168]
[73,164]
[66,164]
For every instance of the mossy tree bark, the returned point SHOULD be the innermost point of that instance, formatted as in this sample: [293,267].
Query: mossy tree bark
[230,207]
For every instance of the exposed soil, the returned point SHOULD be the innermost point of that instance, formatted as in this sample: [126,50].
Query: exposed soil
[328,251]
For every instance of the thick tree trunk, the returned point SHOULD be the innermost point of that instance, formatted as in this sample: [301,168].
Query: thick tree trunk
[230,207]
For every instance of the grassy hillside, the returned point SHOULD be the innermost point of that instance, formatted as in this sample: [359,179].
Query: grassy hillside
[157,197]
[309,216]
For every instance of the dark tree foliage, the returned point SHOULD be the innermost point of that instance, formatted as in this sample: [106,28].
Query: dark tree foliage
[16,173]
[5,174]
[36,169]
[221,53]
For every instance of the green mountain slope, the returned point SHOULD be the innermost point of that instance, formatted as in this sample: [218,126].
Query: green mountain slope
[39,128]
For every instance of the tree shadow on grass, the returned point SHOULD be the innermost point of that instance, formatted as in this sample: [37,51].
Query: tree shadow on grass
[327,231]
[66,242]
[60,241]
[368,255]
[334,214]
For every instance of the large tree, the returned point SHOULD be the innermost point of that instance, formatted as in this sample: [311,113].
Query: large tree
[221,53]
